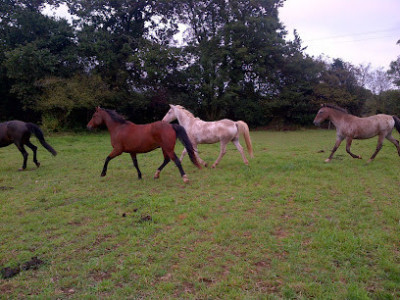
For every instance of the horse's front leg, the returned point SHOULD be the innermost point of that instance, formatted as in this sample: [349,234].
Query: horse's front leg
[135,163]
[378,147]
[183,154]
[196,152]
[349,140]
[113,154]
[337,144]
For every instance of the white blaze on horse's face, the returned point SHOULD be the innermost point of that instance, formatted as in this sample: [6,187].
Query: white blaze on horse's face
[321,116]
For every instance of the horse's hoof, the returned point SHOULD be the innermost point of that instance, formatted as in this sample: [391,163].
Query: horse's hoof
[185,179]
[21,169]
[157,174]
[327,160]
[102,174]
[38,164]
[359,157]
[369,160]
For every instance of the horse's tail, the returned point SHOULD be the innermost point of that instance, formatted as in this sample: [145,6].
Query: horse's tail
[243,128]
[183,137]
[39,134]
[396,123]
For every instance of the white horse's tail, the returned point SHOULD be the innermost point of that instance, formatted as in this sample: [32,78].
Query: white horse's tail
[243,128]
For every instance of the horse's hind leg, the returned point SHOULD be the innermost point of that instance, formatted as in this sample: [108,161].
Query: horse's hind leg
[165,162]
[348,145]
[113,154]
[167,157]
[135,163]
[337,144]
[240,149]
[395,142]
[33,148]
[378,147]
[179,165]
[221,154]
[21,148]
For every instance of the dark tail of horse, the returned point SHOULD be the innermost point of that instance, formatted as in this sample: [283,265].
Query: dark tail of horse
[183,137]
[39,134]
[397,123]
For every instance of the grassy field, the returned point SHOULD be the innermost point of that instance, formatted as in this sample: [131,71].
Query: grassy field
[286,226]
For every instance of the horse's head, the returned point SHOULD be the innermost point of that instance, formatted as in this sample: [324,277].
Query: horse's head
[97,119]
[322,115]
[170,115]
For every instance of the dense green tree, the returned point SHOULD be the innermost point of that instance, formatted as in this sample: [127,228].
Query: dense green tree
[232,55]
[394,70]
[35,46]
[234,62]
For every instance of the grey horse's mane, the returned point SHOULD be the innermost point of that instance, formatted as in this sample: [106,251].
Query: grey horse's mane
[188,113]
[336,107]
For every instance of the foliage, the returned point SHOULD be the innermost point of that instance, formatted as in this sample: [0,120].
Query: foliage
[234,62]
[394,71]
[61,97]
[35,47]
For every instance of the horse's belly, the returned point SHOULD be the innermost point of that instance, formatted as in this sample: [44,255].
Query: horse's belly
[209,140]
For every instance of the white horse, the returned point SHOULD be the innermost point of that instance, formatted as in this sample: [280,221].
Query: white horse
[201,132]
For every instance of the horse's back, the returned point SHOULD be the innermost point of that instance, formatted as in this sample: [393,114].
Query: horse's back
[371,126]
[142,138]
[212,131]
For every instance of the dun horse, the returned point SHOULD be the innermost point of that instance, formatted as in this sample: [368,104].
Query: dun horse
[201,132]
[350,127]
[131,138]
[19,133]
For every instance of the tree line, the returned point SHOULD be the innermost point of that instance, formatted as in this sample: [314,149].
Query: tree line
[232,60]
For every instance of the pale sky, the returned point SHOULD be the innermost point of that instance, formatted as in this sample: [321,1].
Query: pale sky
[357,31]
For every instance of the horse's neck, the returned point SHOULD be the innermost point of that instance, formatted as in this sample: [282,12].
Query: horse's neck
[185,119]
[111,124]
[339,119]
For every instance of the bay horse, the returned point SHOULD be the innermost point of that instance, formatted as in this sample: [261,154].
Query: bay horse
[201,132]
[350,127]
[132,138]
[19,133]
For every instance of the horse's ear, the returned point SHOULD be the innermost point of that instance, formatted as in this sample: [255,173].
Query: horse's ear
[170,105]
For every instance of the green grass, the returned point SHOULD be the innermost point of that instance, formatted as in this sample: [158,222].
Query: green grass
[287,226]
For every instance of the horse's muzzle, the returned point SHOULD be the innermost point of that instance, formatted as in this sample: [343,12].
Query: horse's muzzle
[317,123]
[89,127]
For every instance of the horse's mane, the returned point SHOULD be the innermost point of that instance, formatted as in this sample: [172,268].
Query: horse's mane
[115,116]
[336,107]
[188,113]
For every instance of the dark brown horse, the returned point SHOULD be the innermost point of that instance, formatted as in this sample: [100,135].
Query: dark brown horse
[19,133]
[350,127]
[131,138]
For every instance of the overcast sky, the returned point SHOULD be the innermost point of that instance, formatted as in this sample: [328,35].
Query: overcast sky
[357,31]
